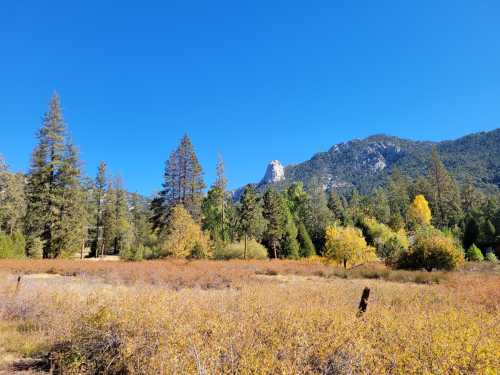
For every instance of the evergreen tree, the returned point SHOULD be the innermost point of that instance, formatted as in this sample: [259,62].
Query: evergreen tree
[70,230]
[471,231]
[337,204]
[123,235]
[249,215]
[53,192]
[306,245]
[99,194]
[379,206]
[398,196]
[141,229]
[109,225]
[274,211]
[182,184]
[215,218]
[319,216]
[12,200]
[445,193]
[213,215]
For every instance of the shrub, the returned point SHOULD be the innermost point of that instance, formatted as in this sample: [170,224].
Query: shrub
[490,256]
[236,250]
[12,246]
[347,245]
[184,238]
[474,254]
[388,243]
[431,249]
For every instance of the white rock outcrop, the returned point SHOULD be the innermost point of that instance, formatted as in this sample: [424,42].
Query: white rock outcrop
[275,172]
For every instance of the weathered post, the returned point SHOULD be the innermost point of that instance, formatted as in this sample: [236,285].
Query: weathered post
[363,304]
[18,284]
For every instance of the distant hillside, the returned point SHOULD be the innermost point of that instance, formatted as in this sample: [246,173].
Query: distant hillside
[367,163]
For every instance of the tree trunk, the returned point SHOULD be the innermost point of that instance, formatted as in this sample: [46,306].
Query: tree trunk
[245,252]
[345,263]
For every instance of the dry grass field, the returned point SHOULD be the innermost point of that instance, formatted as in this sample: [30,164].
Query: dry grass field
[255,317]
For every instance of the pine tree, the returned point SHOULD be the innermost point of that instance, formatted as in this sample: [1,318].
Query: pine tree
[123,235]
[249,216]
[53,192]
[445,193]
[70,229]
[99,193]
[221,184]
[307,248]
[109,225]
[319,216]
[337,204]
[12,200]
[182,184]
[275,214]
[399,198]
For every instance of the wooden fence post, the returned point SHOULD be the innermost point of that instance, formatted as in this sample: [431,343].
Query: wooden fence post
[363,304]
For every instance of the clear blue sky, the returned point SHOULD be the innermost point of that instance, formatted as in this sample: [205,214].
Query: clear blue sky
[254,80]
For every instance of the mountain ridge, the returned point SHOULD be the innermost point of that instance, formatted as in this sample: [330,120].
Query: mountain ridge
[367,163]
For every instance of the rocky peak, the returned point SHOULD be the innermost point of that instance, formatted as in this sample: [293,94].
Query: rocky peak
[274,173]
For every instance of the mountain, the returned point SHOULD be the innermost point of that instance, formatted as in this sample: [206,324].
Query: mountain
[366,163]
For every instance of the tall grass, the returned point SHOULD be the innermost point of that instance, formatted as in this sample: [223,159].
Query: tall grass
[292,324]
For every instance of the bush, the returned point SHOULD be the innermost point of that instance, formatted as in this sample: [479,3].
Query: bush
[12,246]
[183,237]
[388,243]
[347,245]
[431,249]
[236,250]
[490,256]
[474,254]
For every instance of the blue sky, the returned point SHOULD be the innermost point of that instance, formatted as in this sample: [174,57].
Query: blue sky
[253,80]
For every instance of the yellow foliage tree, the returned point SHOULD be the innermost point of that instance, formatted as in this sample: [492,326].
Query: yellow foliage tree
[184,238]
[347,245]
[419,211]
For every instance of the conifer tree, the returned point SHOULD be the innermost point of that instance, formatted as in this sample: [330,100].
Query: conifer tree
[109,229]
[182,184]
[249,216]
[99,194]
[337,204]
[445,193]
[398,196]
[12,200]
[275,214]
[70,229]
[319,216]
[54,200]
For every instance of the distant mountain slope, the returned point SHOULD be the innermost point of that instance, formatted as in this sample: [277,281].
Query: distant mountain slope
[368,162]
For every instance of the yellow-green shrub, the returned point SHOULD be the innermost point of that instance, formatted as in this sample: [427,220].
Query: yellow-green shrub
[431,249]
[236,250]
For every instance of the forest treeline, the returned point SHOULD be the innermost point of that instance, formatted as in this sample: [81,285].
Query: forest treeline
[54,211]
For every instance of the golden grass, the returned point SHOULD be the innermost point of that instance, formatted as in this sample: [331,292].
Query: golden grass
[274,318]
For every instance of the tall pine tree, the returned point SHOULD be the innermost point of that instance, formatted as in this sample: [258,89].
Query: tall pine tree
[182,184]
[54,198]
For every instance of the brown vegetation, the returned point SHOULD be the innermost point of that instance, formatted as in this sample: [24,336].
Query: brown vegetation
[254,317]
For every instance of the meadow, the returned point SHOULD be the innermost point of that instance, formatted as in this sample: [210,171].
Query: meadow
[253,317]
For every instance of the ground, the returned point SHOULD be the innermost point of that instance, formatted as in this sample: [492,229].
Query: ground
[254,317]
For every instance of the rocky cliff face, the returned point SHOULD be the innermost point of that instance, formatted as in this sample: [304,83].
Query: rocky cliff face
[275,172]
[366,163]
